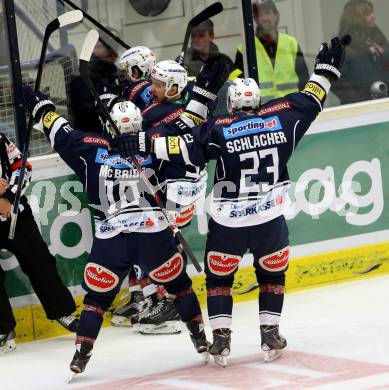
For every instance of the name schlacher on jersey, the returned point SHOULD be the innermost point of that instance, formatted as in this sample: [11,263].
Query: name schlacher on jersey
[270,128]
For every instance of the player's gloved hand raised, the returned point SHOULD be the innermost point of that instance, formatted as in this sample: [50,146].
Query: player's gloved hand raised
[131,143]
[329,61]
[211,78]
[107,94]
[36,102]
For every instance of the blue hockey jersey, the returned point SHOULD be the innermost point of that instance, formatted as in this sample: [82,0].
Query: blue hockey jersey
[119,197]
[252,151]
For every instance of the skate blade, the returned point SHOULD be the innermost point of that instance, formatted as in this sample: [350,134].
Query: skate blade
[10,346]
[220,360]
[273,354]
[72,376]
[168,327]
[121,321]
[205,356]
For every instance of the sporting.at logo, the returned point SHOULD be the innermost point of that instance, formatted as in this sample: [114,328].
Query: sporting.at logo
[252,126]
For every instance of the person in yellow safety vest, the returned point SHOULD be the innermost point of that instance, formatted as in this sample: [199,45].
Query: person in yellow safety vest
[281,65]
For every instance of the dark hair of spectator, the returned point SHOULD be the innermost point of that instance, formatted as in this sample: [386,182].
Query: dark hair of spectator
[353,17]
[265,5]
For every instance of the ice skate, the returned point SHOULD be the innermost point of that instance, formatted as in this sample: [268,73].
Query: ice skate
[123,315]
[160,318]
[272,342]
[7,342]
[70,323]
[199,339]
[80,358]
[220,348]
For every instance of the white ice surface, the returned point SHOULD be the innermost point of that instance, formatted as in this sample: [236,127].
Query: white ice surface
[345,321]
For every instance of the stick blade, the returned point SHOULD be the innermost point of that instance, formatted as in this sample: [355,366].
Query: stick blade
[70,18]
[89,45]
[207,13]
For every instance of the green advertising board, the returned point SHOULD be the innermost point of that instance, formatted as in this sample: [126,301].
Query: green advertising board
[339,190]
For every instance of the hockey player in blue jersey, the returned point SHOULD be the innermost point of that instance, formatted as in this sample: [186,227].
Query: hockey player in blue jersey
[136,64]
[129,226]
[252,146]
[184,184]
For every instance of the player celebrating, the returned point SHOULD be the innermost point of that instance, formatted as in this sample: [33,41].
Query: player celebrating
[252,149]
[136,64]
[184,184]
[129,226]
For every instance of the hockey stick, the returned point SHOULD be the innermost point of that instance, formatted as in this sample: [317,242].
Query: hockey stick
[248,289]
[62,21]
[98,25]
[205,14]
[86,52]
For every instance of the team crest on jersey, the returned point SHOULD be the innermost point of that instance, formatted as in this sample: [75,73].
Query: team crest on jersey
[252,126]
[99,278]
[118,162]
[147,95]
[277,261]
[169,270]
[221,263]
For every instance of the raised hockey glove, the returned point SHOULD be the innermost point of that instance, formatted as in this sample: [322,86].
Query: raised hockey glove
[131,143]
[36,102]
[329,62]
[211,78]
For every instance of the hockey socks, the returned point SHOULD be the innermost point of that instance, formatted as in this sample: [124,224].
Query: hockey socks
[271,299]
[219,302]
[187,304]
[90,322]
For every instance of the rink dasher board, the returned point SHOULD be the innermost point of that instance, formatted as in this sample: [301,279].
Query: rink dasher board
[325,247]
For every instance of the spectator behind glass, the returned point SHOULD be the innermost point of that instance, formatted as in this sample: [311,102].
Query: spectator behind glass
[104,75]
[281,65]
[367,54]
[202,48]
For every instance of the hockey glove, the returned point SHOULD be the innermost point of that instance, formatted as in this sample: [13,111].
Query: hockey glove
[329,62]
[131,143]
[211,78]
[36,102]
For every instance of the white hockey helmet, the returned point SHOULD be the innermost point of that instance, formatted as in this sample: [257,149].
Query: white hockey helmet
[140,57]
[127,117]
[243,93]
[171,73]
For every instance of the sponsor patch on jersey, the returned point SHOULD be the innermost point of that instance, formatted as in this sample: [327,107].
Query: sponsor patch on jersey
[99,278]
[95,141]
[118,162]
[274,108]
[169,118]
[169,270]
[173,145]
[13,152]
[221,263]
[252,126]
[147,95]
[277,261]
[137,88]
[49,119]
[315,89]
[125,224]
[224,121]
